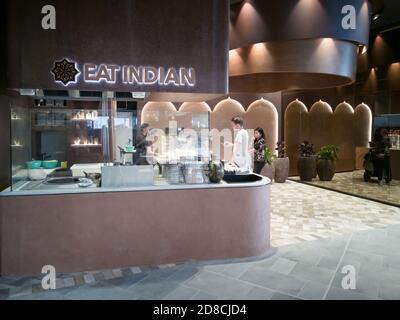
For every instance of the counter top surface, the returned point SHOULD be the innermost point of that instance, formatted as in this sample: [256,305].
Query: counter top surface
[75,189]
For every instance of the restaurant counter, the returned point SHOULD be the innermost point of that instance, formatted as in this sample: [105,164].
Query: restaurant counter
[86,229]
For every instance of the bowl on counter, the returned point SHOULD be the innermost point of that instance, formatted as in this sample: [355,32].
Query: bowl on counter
[49,164]
[34,164]
[37,174]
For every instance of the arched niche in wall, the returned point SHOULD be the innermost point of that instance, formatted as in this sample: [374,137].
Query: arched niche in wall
[362,125]
[195,114]
[194,107]
[262,113]
[296,129]
[221,118]
[157,114]
[320,124]
[223,113]
[343,136]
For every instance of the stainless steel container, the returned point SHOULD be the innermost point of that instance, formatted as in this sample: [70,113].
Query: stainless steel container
[194,172]
[173,173]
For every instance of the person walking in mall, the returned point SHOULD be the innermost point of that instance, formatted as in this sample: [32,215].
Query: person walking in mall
[381,155]
[259,149]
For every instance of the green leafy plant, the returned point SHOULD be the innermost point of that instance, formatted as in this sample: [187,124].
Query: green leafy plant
[306,149]
[281,148]
[269,156]
[328,152]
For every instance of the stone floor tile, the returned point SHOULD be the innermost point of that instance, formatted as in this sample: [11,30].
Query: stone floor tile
[89,278]
[204,296]
[79,280]
[117,273]
[309,273]
[389,292]
[185,273]
[280,296]
[259,294]
[4,293]
[108,274]
[273,280]
[135,270]
[219,285]
[283,266]
[69,282]
[59,283]
[342,294]
[313,291]
[181,293]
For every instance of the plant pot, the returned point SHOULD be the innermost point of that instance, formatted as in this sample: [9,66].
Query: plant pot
[326,169]
[315,171]
[281,169]
[215,172]
[268,171]
[306,167]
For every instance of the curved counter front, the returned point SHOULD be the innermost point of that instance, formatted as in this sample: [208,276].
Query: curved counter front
[133,227]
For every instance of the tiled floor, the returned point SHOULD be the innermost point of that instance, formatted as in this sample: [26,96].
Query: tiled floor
[353,183]
[316,233]
[302,213]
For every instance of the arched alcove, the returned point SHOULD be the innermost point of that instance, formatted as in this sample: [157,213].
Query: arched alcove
[296,128]
[320,124]
[362,125]
[343,136]
[262,113]
[223,113]
[158,114]
[194,107]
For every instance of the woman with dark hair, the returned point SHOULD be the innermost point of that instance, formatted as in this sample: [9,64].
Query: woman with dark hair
[381,154]
[259,148]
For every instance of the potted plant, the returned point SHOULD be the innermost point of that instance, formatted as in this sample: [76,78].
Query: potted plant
[306,164]
[326,162]
[269,168]
[281,163]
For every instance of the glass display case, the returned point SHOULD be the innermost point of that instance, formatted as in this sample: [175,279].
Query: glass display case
[20,144]
[47,141]
[58,147]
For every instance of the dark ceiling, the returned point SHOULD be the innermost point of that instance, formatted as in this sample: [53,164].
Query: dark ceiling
[390,16]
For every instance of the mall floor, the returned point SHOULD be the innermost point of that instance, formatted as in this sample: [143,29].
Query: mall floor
[353,183]
[315,233]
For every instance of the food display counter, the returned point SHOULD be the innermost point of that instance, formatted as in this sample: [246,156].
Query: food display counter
[81,229]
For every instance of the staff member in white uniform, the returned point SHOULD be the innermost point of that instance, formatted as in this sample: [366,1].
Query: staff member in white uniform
[240,152]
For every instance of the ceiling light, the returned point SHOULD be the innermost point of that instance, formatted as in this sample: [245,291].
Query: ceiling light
[362,49]
[375,16]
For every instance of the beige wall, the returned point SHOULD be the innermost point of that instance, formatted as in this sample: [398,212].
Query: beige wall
[157,114]
[346,128]
[263,114]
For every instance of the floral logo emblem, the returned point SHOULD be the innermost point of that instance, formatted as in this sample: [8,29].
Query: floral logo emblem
[65,71]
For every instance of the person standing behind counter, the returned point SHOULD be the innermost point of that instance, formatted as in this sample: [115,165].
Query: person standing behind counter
[240,153]
[142,145]
[259,149]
